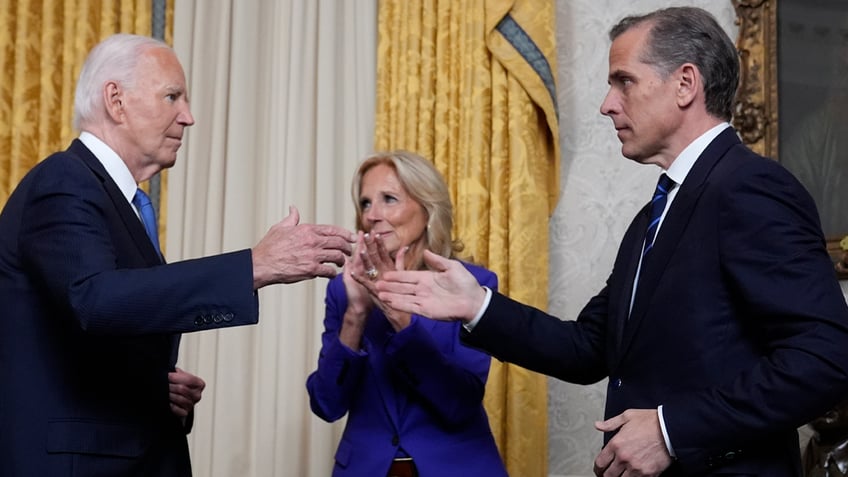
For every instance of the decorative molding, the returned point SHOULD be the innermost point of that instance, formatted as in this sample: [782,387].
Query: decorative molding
[755,112]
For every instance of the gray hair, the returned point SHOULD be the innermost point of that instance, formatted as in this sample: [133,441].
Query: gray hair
[113,59]
[426,186]
[681,35]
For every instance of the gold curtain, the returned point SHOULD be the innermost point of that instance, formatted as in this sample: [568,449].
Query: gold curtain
[470,85]
[42,46]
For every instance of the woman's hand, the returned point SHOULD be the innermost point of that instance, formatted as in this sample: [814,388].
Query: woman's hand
[354,271]
[375,260]
[359,301]
[369,259]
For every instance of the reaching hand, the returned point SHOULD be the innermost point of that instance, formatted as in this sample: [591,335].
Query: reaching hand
[638,449]
[290,252]
[446,292]
[184,391]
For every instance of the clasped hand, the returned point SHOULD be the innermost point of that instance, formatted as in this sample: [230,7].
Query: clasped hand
[184,391]
[369,261]
[637,449]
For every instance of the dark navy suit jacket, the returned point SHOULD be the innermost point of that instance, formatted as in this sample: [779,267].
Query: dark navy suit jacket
[90,326]
[738,328]
[419,389]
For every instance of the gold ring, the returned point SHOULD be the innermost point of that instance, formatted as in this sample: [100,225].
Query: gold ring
[372,273]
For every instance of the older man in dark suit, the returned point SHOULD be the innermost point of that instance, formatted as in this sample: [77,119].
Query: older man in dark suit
[91,313]
[722,327]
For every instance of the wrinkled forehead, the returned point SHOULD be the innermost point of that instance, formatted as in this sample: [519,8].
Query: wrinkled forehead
[627,50]
[162,64]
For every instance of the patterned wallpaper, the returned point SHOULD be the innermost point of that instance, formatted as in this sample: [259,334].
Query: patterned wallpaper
[601,191]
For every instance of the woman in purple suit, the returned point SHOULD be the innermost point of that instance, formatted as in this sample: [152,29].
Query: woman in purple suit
[412,393]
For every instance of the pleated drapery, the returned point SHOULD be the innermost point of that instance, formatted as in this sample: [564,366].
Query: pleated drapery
[471,86]
[283,96]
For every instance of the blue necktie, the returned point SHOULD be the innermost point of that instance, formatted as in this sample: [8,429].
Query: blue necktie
[148,217]
[664,186]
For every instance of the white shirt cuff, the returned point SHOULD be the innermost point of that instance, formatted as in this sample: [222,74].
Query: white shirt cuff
[665,432]
[471,324]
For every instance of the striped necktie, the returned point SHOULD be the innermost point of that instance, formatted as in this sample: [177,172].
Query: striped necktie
[664,186]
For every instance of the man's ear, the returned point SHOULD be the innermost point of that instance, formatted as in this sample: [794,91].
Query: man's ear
[113,96]
[688,84]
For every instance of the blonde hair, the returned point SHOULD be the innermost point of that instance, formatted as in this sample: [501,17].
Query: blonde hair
[427,187]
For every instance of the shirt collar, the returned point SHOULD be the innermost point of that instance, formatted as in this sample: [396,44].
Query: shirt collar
[681,165]
[114,165]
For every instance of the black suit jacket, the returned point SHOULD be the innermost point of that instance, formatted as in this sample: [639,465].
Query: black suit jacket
[90,325]
[738,328]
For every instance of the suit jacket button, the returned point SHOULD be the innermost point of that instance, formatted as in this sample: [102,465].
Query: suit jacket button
[207,318]
[218,318]
[228,317]
[198,320]
[618,383]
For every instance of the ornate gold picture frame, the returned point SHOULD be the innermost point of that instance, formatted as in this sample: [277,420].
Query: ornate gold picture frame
[755,115]
[756,111]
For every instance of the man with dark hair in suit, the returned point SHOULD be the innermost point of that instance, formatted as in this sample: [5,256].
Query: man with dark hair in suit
[721,327]
[91,313]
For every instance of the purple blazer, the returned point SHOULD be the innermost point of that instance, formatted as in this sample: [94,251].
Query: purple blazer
[419,390]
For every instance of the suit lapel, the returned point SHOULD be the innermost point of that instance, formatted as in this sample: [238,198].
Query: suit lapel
[125,210]
[128,217]
[670,232]
[631,250]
